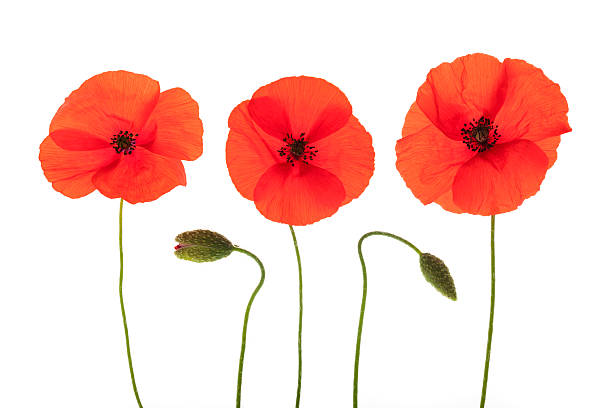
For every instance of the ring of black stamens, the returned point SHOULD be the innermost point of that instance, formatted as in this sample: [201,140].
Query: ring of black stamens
[297,149]
[124,142]
[480,135]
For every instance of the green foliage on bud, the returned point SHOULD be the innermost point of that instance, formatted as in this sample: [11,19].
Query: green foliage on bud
[202,246]
[437,273]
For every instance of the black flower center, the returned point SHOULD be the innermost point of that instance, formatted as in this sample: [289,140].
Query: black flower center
[479,135]
[124,142]
[297,149]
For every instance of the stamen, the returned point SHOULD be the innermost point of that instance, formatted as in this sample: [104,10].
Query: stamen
[480,135]
[297,149]
[124,142]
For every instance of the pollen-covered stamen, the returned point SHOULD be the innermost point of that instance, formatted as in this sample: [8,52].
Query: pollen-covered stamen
[297,149]
[124,142]
[479,135]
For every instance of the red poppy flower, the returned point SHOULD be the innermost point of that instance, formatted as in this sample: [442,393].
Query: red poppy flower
[481,134]
[117,133]
[296,150]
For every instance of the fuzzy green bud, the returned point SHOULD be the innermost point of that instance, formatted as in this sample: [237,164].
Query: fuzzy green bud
[437,273]
[202,246]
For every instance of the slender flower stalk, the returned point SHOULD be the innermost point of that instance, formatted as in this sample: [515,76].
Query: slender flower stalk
[209,246]
[299,262]
[246,321]
[434,271]
[491,315]
[125,327]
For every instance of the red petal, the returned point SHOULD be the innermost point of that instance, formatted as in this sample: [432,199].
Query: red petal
[140,177]
[549,147]
[270,116]
[72,139]
[348,154]
[300,105]
[500,179]
[534,108]
[469,87]
[428,160]
[70,172]
[249,151]
[107,103]
[298,195]
[174,128]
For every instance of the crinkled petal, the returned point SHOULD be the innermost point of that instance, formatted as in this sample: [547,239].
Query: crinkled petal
[140,177]
[298,195]
[465,89]
[270,115]
[500,179]
[549,147]
[299,105]
[70,172]
[78,140]
[348,154]
[428,160]
[534,107]
[249,151]
[107,103]
[174,128]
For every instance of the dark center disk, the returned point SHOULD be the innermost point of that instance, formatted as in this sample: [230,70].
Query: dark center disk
[124,142]
[297,148]
[480,135]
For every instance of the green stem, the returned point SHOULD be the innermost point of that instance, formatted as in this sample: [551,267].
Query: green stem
[125,327]
[363,302]
[246,321]
[299,262]
[491,314]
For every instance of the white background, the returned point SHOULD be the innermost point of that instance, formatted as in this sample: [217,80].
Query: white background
[61,337]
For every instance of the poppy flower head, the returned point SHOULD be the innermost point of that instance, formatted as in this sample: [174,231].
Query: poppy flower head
[297,151]
[481,134]
[118,134]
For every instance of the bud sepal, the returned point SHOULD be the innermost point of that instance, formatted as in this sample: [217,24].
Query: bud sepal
[437,273]
[202,246]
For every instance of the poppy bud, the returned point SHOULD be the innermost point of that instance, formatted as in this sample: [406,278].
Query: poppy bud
[202,246]
[437,274]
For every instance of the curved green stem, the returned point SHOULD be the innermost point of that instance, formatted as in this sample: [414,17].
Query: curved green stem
[125,327]
[363,302]
[491,315]
[246,321]
[299,262]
